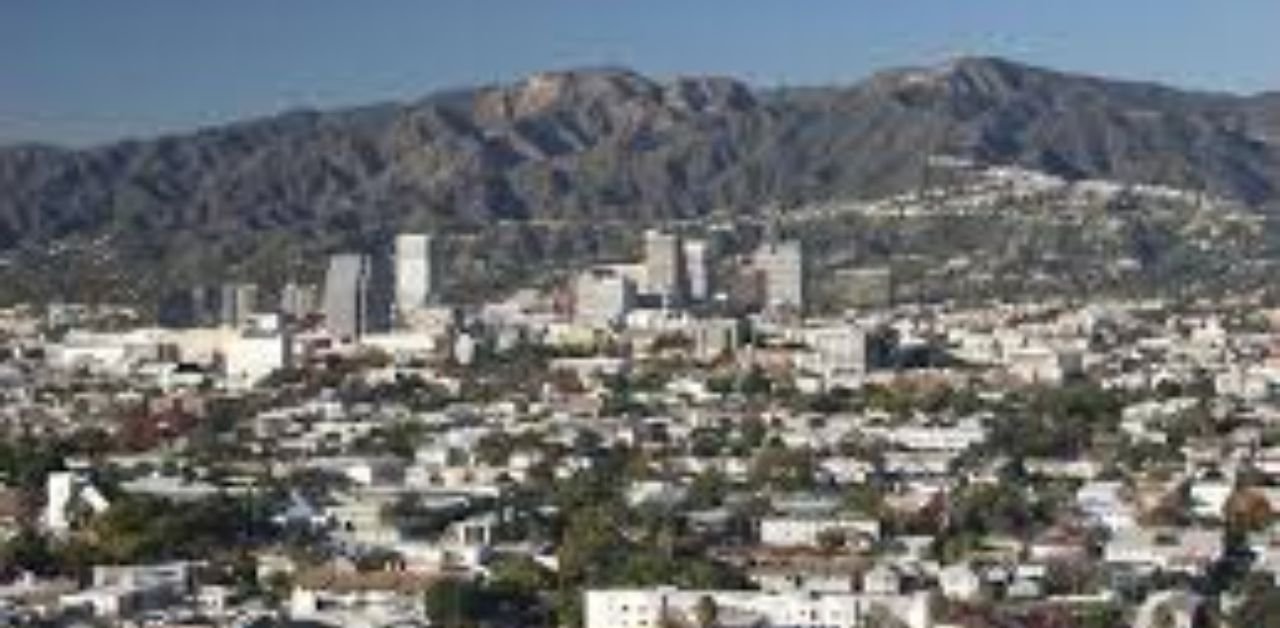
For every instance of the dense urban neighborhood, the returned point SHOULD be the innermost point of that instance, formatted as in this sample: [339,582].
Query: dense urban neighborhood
[685,438]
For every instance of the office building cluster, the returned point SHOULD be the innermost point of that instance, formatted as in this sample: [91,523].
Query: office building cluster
[679,274]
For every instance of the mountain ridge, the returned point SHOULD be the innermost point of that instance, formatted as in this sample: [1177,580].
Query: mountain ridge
[612,145]
[448,93]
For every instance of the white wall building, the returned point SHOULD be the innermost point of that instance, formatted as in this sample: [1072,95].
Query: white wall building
[835,351]
[781,265]
[346,294]
[602,297]
[665,274]
[648,608]
[1039,364]
[297,300]
[124,590]
[960,582]
[958,437]
[415,271]
[1189,550]
[1107,504]
[237,302]
[697,260]
[251,357]
[807,531]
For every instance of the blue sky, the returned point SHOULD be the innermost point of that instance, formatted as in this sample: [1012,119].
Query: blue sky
[87,71]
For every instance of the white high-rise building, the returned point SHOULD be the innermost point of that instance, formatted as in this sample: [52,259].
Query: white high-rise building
[602,297]
[835,351]
[237,302]
[345,285]
[415,270]
[781,265]
[698,269]
[665,275]
[297,300]
[356,295]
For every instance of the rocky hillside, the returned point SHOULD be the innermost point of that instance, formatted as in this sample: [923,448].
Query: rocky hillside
[601,147]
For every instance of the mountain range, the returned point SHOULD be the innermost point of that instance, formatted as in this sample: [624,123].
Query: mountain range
[610,146]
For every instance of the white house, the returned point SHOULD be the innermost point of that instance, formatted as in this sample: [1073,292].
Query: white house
[118,591]
[1209,497]
[1165,549]
[648,608]
[960,582]
[799,530]
[1106,504]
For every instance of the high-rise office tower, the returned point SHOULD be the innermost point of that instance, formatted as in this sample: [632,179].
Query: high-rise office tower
[380,300]
[236,303]
[345,287]
[357,295]
[781,265]
[415,272]
[698,269]
[297,300]
[185,308]
[203,304]
[665,274]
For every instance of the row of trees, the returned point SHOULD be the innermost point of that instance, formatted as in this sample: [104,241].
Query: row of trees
[141,529]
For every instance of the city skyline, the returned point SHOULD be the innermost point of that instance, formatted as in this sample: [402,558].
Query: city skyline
[573,314]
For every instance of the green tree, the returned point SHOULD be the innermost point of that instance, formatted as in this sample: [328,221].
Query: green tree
[1102,616]
[1261,605]
[708,490]
[755,383]
[752,432]
[27,551]
[591,545]
[1248,511]
[783,468]
[521,573]
[455,603]
[495,448]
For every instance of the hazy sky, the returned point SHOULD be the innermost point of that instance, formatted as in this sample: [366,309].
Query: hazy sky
[85,71]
